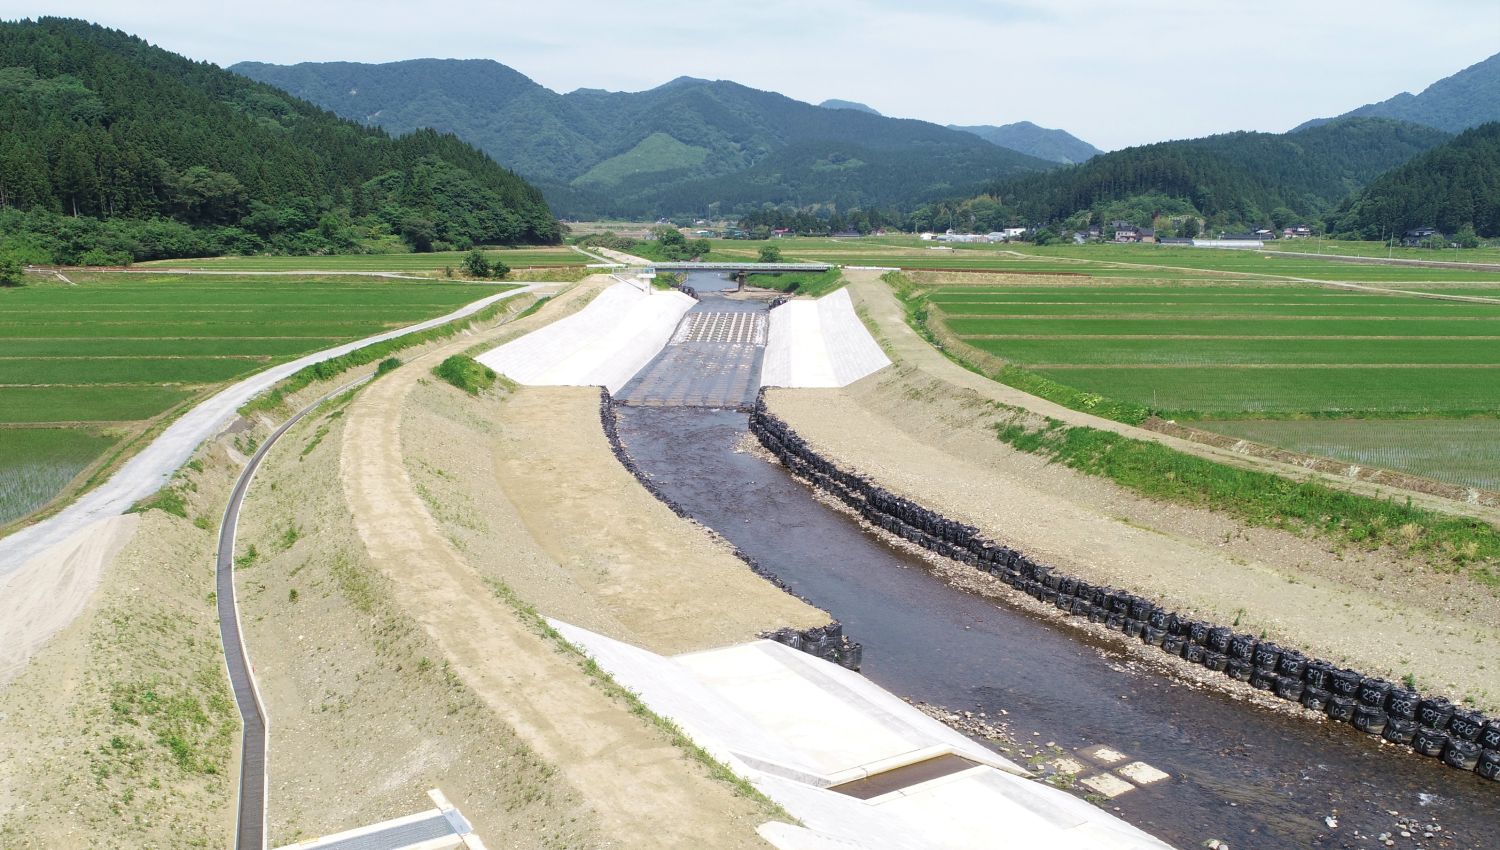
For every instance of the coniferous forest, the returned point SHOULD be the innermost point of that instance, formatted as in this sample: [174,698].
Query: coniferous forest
[113,150]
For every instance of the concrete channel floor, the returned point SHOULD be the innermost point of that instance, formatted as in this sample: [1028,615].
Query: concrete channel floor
[799,728]
[712,360]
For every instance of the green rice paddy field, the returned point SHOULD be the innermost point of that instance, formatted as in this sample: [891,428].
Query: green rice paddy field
[87,367]
[516,258]
[1368,377]
[1156,262]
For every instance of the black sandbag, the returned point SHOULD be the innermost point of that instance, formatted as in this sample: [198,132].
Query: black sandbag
[1488,764]
[1346,683]
[1373,692]
[1315,699]
[1429,742]
[1238,669]
[1402,703]
[1219,638]
[1081,607]
[1434,713]
[1152,635]
[1292,663]
[1215,661]
[1194,653]
[1173,644]
[1198,632]
[1490,737]
[1318,674]
[1465,725]
[1267,656]
[1242,647]
[1369,719]
[1399,730]
[1264,680]
[1341,708]
[1116,622]
[1159,619]
[1463,755]
[1098,614]
[1141,609]
[1290,688]
[1134,628]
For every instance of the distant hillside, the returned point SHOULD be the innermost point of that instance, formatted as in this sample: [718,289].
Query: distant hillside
[1231,180]
[834,103]
[177,157]
[1467,99]
[1450,187]
[1028,138]
[690,146]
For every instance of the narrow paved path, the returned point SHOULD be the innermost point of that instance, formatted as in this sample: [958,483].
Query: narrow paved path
[250,817]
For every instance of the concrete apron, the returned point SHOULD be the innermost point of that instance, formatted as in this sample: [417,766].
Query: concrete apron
[857,765]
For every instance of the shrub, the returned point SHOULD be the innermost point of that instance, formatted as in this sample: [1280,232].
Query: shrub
[466,373]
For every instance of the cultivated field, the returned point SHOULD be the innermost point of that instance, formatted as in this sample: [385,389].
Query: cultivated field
[91,366]
[1156,262]
[516,258]
[1366,362]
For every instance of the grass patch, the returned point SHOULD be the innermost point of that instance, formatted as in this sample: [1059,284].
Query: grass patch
[811,284]
[466,373]
[1264,499]
[381,351]
[601,679]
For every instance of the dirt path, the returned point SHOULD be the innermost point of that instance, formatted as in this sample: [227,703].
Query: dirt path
[642,790]
[875,301]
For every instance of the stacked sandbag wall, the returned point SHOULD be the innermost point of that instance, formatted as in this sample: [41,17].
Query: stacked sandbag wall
[827,642]
[1432,726]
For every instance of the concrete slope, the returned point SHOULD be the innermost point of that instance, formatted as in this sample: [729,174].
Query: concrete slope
[819,343]
[145,473]
[798,727]
[604,344]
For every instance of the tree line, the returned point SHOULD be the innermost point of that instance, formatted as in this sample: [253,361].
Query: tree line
[116,150]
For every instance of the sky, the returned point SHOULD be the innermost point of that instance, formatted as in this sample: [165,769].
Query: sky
[1114,74]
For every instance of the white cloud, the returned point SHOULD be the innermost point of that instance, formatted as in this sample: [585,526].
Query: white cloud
[1114,74]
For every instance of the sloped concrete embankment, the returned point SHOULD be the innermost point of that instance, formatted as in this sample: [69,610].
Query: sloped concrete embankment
[605,343]
[819,343]
[1463,739]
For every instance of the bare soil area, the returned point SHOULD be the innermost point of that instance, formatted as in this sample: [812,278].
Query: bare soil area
[529,489]
[932,439]
[121,731]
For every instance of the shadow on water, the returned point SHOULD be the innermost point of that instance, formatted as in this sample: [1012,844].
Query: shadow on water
[1239,773]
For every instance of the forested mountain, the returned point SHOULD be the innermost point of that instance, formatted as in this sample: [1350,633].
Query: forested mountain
[118,149]
[1466,99]
[1231,180]
[1028,138]
[690,146]
[835,103]
[1453,187]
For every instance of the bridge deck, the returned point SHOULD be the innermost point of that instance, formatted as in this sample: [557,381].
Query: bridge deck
[742,267]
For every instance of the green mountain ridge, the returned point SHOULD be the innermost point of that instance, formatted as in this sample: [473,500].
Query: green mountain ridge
[111,145]
[704,131]
[1042,142]
[1451,187]
[1455,103]
[1231,180]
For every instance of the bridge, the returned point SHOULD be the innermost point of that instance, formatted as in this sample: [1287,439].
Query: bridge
[745,267]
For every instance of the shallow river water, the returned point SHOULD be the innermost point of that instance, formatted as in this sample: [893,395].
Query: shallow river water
[1242,774]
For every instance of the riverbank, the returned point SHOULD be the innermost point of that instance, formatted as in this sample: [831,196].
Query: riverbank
[928,434]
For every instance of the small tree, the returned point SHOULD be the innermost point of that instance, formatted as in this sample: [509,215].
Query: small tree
[498,269]
[476,264]
[769,254]
[1466,237]
[11,271]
